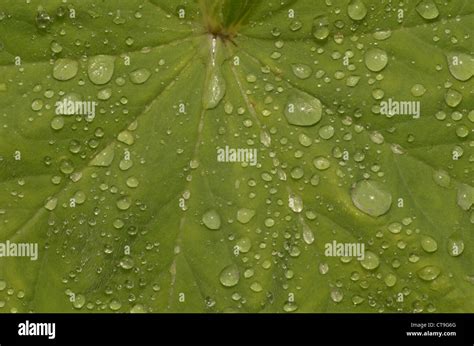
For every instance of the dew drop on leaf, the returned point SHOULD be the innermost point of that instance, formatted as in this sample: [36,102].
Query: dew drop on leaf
[429,244]
[140,76]
[461,65]
[428,273]
[230,276]
[303,109]
[101,69]
[371,197]
[211,219]
[356,10]
[65,69]
[301,71]
[244,215]
[370,261]
[427,9]
[375,59]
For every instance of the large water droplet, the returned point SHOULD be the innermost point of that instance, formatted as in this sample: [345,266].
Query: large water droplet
[303,109]
[101,69]
[230,276]
[427,9]
[375,59]
[211,219]
[356,10]
[65,69]
[370,197]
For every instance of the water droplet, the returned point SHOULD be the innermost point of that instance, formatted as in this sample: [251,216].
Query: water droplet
[138,309]
[295,203]
[428,273]
[256,287]
[371,261]
[140,76]
[452,97]
[51,203]
[65,69]
[321,163]
[305,140]
[104,158]
[320,28]
[427,9]
[441,178]
[455,245]
[43,20]
[326,132]
[308,235]
[429,244]
[370,197]
[303,109]
[465,196]
[124,203]
[375,59]
[211,219]
[132,182]
[115,305]
[462,131]
[244,215]
[390,280]
[301,71]
[356,10]
[127,263]
[230,276]
[461,65]
[57,123]
[79,301]
[395,227]
[418,90]
[66,166]
[336,295]
[101,69]
[126,137]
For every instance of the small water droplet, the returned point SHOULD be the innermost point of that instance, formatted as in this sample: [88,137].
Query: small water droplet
[441,178]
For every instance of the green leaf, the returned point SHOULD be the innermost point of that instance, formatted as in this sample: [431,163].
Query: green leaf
[133,209]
